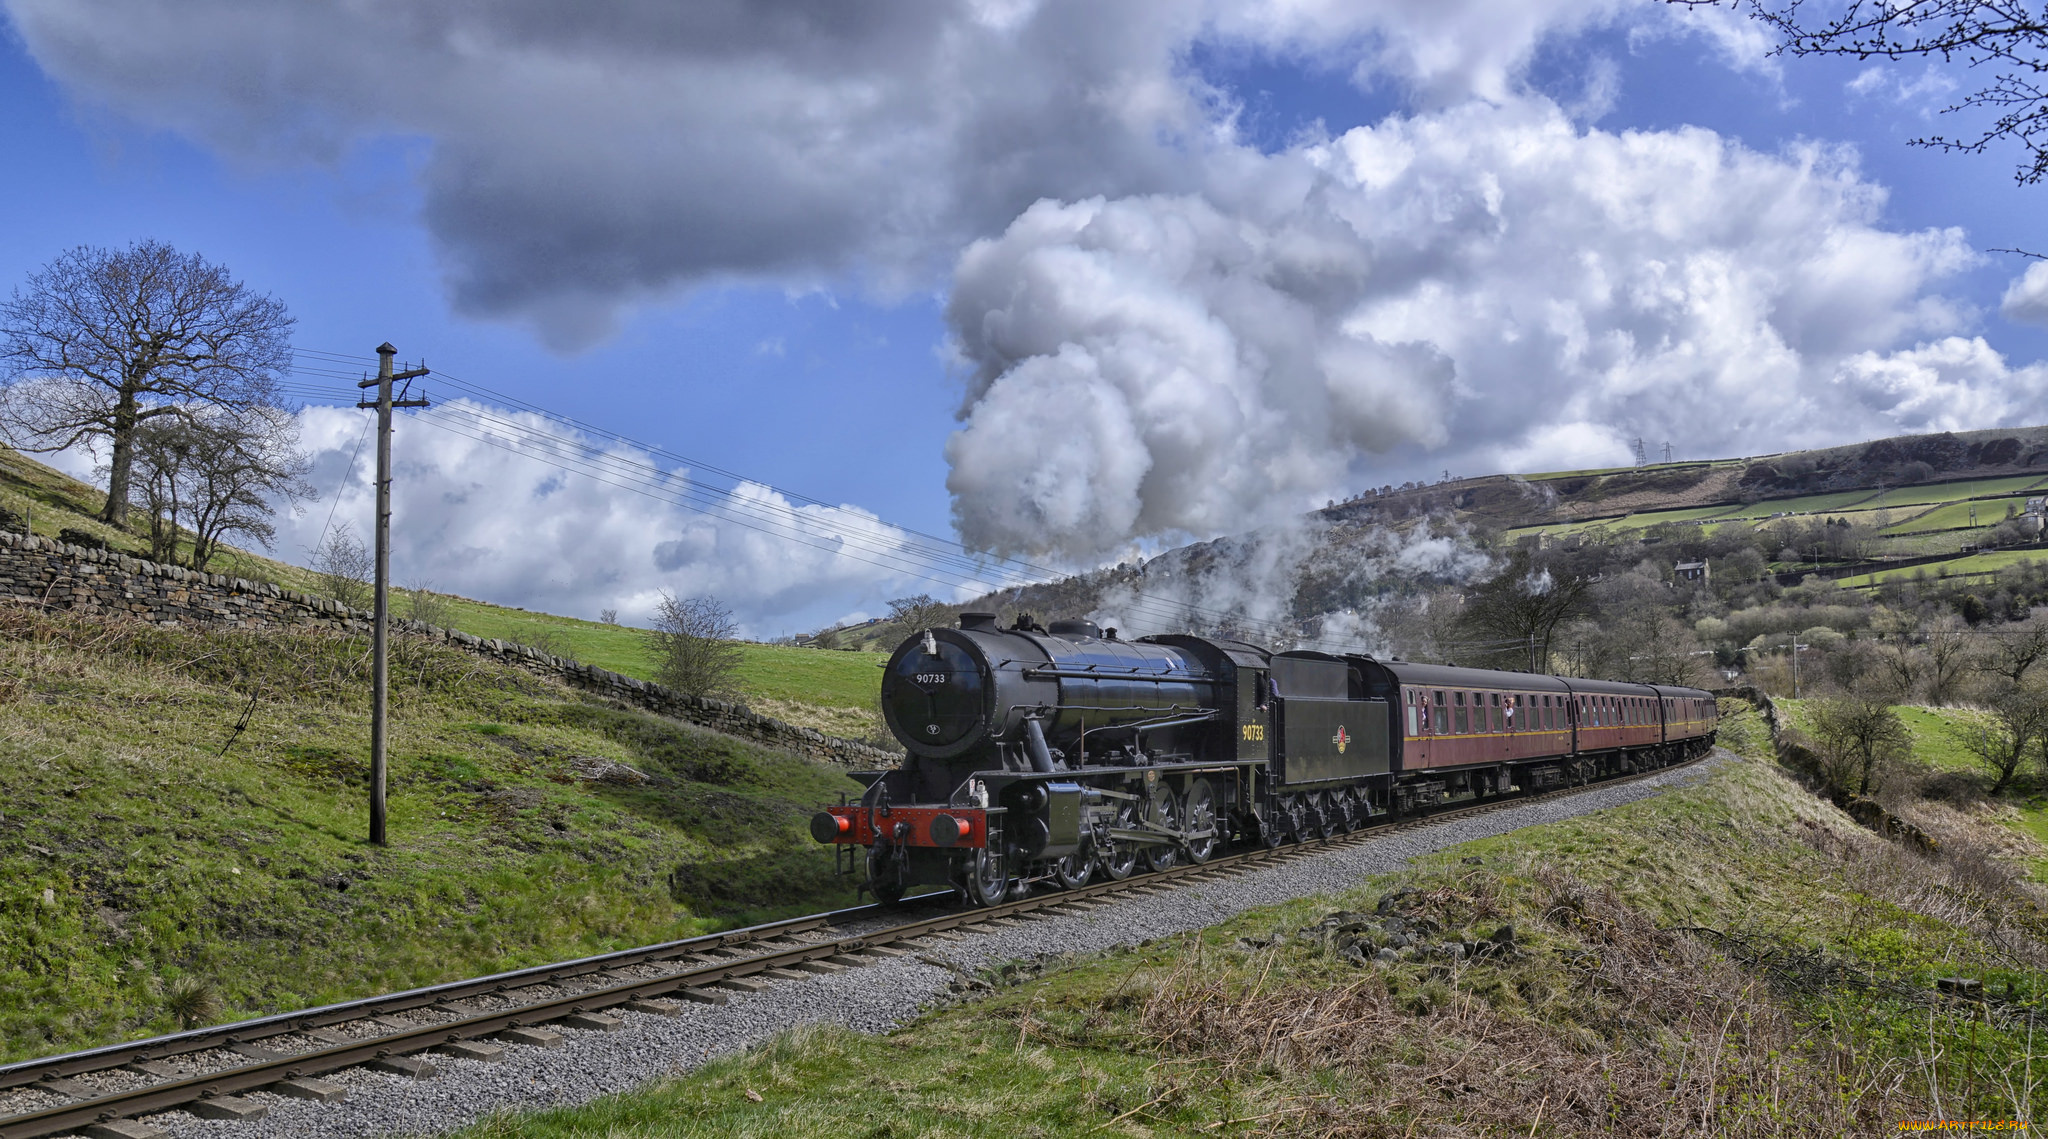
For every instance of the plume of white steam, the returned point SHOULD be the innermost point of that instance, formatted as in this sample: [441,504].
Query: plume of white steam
[1310,583]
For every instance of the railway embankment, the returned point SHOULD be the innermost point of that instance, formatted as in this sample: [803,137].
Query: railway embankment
[181,834]
[1733,956]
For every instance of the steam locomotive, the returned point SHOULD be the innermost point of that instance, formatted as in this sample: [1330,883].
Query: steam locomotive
[1053,755]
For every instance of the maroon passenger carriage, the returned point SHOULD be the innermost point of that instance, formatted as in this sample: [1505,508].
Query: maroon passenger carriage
[1053,755]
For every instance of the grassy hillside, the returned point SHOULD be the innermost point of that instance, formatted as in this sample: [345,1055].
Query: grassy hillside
[1735,959]
[155,860]
[832,692]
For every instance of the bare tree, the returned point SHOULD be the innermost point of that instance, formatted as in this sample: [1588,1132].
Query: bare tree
[1858,737]
[1514,614]
[608,616]
[345,565]
[693,641]
[215,475]
[2007,38]
[1948,647]
[104,340]
[1659,649]
[1901,667]
[916,614]
[2015,726]
[2009,652]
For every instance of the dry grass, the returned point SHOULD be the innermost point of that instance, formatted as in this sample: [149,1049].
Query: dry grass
[1645,1032]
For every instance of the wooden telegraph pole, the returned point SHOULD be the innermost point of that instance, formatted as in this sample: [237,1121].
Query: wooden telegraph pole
[380,638]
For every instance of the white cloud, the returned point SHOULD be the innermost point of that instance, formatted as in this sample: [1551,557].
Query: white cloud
[482,521]
[2026,299]
[1929,90]
[1455,287]
[584,158]
[1952,384]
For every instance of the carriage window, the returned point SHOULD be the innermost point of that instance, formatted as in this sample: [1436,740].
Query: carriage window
[1464,723]
[1494,711]
[1443,718]
[1412,719]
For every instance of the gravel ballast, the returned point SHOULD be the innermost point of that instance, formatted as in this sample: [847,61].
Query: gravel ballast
[874,998]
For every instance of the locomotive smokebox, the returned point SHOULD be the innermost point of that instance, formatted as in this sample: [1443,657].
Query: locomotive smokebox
[990,691]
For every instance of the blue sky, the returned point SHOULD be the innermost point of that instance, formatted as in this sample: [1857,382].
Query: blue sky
[815,322]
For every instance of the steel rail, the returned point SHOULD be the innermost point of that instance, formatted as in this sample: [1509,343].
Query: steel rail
[696,978]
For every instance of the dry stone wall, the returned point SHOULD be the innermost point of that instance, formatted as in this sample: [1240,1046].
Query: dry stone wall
[41,571]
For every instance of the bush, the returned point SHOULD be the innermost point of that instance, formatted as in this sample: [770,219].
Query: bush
[692,642]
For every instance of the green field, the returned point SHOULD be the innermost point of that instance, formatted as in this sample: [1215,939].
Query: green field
[1964,566]
[1652,468]
[1956,516]
[1955,491]
[1804,504]
[767,672]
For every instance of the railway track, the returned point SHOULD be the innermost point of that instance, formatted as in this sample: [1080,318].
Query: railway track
[101,1092]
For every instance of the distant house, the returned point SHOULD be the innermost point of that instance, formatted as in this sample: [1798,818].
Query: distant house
[1695,572]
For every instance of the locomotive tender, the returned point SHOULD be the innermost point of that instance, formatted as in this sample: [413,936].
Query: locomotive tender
[1058,754]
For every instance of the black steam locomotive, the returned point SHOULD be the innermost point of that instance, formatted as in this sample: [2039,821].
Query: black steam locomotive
[1052,755]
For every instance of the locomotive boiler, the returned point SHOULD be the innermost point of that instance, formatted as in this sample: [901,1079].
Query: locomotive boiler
[1049,755]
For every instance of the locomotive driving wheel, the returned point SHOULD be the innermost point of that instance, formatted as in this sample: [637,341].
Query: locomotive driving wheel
[1118,858]
[1203,816]
[1073,871]
[1165,813]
